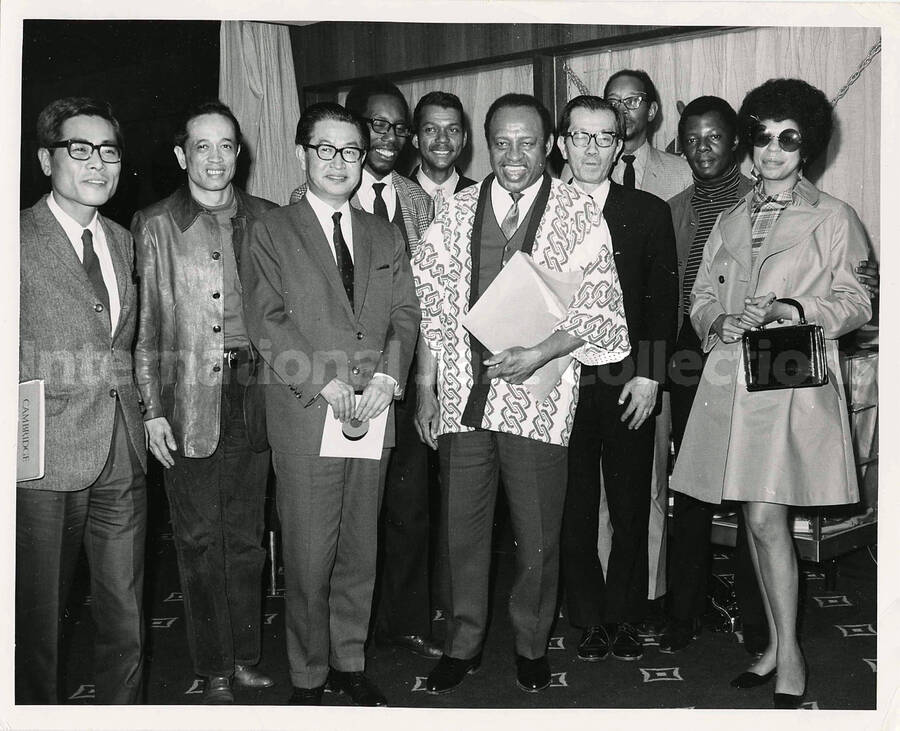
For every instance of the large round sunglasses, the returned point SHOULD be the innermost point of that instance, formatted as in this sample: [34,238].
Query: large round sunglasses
[789,140]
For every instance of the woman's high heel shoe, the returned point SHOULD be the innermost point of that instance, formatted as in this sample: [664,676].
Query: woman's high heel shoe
[749,679]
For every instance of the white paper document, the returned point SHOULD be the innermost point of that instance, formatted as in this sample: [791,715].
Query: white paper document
[522,307]
[353,440]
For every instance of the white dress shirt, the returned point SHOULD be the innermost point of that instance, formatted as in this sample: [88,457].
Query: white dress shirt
[640,162]
[324,212]
[501,201]
[366,195]
[447,188]
[73,231]
[599,195]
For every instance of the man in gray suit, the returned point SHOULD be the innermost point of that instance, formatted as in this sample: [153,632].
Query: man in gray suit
[330,304]
[77,317]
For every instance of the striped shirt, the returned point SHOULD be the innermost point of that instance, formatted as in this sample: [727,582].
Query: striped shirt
[764,212]
[710,198]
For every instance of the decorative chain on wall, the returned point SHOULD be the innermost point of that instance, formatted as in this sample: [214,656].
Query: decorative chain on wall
[870,56]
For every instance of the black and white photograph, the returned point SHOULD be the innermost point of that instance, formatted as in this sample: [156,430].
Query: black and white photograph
[518,371]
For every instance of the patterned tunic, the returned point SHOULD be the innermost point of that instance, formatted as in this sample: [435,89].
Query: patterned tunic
[571,236]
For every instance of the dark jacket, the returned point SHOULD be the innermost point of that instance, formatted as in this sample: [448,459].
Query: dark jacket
[178,355]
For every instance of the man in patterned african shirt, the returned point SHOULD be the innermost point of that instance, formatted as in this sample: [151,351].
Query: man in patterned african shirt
[484,422]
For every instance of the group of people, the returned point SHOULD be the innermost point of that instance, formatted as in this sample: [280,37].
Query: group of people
[242,327]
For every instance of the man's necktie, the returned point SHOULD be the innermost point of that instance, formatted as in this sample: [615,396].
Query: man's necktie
[438,200]
[628,175]
[92,267]
[379,208]
[342,257]
[511,220]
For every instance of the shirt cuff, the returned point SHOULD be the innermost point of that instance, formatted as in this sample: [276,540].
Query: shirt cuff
[391,380]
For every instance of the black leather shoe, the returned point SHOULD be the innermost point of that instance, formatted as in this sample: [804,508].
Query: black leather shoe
[306,696]
[450,672]
[626,645]
[217,691]
[362,691]
[787,701]
[532,675]
[756,638]
[594,644]
[250,677]
[678,635]
[752,680]
[418,645]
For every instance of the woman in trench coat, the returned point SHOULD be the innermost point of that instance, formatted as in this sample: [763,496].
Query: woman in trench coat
[780,448]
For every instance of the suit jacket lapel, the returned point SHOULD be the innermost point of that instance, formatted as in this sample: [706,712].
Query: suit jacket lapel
[122,269]
[312,235]
[362,260]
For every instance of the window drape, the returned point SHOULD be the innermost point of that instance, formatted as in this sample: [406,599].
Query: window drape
[256,79]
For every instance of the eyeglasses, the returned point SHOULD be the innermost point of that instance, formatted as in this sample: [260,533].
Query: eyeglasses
[583,139]
[788,140]
[327,152]
[83,150]
[629,102]
[381,126]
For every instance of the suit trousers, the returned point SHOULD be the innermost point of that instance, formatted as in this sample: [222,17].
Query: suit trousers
[328,510]
[110,519]
[600,440]
[691,555]
[534,479]
[217,505]
[404,605]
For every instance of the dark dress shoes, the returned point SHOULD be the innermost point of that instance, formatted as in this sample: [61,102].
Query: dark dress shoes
[306,696]
[532,675]
[250,677]
[678,635]
[626,645]
[594,644]
[756,638]
[217,691]
[450,672]
[787,701]
[752,680]
[362,691]
[418,645]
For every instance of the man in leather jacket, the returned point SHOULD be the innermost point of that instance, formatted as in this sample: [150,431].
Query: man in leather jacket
[204,415]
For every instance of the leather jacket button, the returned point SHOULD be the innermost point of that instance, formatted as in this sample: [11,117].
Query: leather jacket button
[355,371]
[217,368]
[98,307]
[359,336]
[721,279]
[216,295]
[113,393]
[217,328]
[216,255]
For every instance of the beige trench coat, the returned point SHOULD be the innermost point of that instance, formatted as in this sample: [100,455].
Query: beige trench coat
[789,446]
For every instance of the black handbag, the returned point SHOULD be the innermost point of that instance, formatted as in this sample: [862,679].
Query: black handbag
[785,357]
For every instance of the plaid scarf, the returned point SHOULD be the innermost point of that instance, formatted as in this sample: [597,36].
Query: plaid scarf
[764,212]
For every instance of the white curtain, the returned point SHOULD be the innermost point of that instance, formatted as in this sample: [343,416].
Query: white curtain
[256,79]
[729,64]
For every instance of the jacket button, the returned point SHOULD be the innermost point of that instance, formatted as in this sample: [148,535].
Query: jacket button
[113,393]
[216,295]
[359,336]
[355,371]
[721,279]
[216,255]
[217,368]
[217,328]
[98,307]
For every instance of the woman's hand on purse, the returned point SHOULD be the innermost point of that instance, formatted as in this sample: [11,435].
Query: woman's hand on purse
[759,310]
[729,328]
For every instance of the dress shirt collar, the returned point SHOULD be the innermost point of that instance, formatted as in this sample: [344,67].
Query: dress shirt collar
[324,212]
[365,194]
[600,193]
[72,228]
[447,188]
[640,162]
[501,200]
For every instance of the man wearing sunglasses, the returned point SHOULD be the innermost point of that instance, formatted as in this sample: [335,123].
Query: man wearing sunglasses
[77,315]
[641,165]
[203,410]
[403,611]
[330,302]
[614,420]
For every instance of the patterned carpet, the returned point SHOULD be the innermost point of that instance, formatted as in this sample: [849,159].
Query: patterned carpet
[838,634]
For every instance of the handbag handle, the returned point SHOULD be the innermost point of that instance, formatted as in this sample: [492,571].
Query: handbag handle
[789,301]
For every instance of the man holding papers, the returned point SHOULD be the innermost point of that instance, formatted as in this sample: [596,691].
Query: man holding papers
[486,423]
[330,304]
